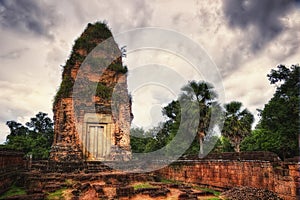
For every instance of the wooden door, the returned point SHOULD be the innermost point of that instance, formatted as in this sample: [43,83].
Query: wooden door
[97,142]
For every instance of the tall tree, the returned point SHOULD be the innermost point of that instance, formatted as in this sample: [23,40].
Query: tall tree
[196,99]
[204,95]
[16,129]
[281,115]
[35,138]
[237,124]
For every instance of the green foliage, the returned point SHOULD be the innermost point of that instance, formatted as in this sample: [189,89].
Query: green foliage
[203,95]
[118,67]
[74,58]
[84,43]
[70,182]
[223,145]
[34,138]
[65,89]
[262,140]
[214,192]
[193,149]
[98,30]
[103,91]
[172,111]
[143,185]
[13,191]
[278,129]
[141,141]
[169,181]
[199,98]
[56,195]
[148,141]
[237,124]
[16,129]
[93,34]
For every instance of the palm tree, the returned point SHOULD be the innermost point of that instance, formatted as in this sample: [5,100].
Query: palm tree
[203,94]
[237,124]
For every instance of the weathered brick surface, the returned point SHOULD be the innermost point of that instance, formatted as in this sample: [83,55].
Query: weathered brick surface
[282,179]
[10,164]
[93,91]
[10,159]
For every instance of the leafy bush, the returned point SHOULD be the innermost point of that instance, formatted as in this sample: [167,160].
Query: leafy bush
[65,89]
[118,67]
[104,91]
[93,34]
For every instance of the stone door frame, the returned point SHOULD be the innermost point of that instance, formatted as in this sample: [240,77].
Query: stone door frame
[97,120]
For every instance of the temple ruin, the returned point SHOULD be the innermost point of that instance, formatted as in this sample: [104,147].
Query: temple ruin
[92,108]
[92,116]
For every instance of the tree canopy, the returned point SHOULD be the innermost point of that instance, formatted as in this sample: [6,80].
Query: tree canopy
[278,129]
[204,95]
[198,100]
[34,138]
[237,124]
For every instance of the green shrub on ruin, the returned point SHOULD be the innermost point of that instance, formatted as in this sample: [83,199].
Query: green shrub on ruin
[103,91]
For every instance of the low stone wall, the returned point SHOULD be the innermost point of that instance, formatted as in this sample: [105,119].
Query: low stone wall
[247,155]
[282,178]
[11,163]
[11,159]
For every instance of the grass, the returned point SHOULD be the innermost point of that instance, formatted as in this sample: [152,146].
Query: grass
[216,193]
[70,182]
[142,185]
[57,195]
[13,191]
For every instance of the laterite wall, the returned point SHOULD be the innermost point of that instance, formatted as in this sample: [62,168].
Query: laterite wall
[11,163]
[282,178]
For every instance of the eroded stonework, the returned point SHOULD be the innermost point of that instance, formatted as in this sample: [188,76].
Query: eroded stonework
[92,108]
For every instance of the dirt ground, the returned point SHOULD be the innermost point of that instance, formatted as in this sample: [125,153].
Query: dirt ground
[110,192]
[173,195]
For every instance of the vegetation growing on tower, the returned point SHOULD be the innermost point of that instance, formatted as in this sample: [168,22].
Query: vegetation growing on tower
[93,35]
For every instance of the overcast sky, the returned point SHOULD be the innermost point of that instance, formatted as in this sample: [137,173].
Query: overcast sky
[244,38]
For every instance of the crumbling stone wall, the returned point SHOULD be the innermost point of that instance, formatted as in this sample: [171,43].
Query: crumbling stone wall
[282,178]
[10,159]
[92,108]
[10,164]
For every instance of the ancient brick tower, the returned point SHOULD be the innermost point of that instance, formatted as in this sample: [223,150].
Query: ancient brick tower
[92,108]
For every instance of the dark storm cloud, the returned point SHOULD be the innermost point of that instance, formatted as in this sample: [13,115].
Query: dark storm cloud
[27,16]
[263,15]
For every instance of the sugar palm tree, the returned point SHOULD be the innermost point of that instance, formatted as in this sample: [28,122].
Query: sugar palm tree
[237,124]
[203,94]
